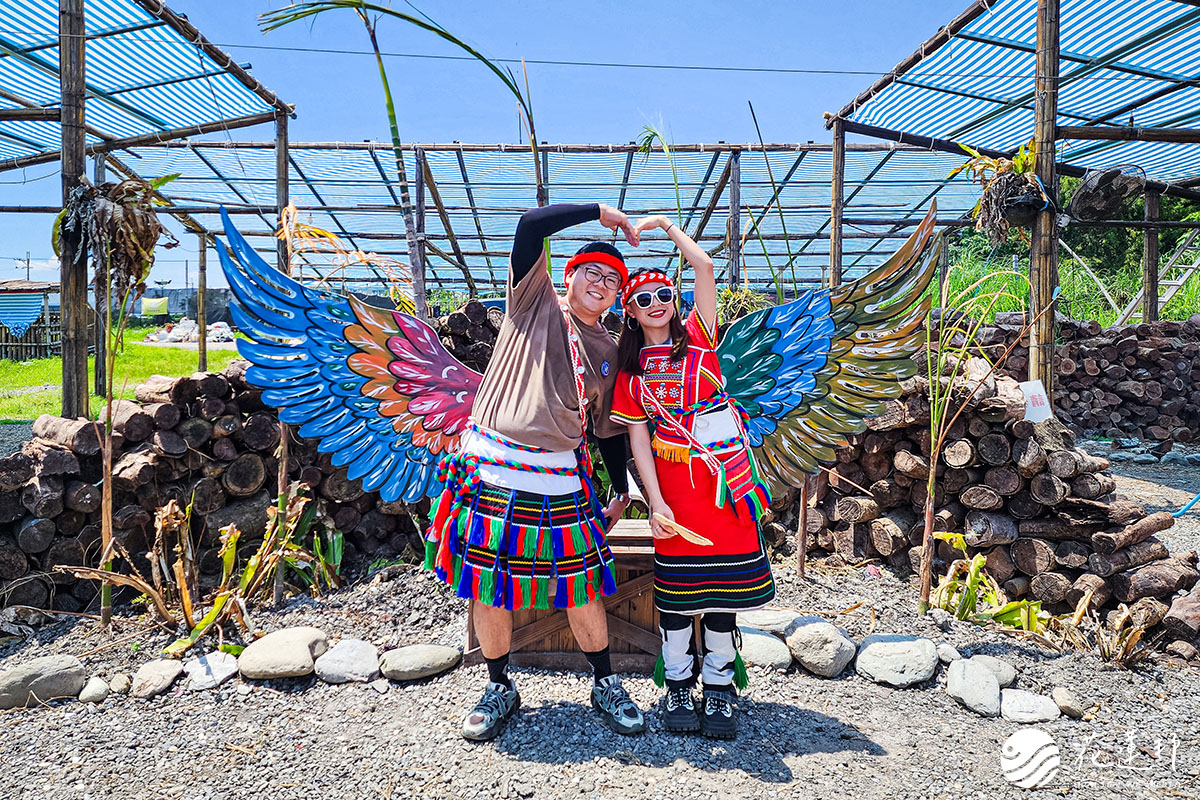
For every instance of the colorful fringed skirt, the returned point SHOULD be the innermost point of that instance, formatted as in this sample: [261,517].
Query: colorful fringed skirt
[514,547]
[733,574]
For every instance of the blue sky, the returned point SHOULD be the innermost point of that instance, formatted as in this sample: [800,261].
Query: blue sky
[337,95]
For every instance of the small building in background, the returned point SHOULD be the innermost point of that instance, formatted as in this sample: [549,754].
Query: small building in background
[29,325]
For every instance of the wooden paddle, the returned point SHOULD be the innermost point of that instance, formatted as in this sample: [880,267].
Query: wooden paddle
[689,535]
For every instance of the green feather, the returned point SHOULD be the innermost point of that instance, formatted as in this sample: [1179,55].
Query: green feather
[741,679]
[660,672]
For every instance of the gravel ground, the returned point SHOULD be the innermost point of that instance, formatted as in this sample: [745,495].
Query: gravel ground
[13,435]
[801,736]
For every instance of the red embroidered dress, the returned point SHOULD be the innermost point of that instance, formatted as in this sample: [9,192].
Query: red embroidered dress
[707,476]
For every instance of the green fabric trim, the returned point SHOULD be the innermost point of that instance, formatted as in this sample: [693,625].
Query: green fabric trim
[660,672]
[741,679]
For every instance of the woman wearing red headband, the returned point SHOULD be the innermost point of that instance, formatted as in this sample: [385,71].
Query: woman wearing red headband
[689,443]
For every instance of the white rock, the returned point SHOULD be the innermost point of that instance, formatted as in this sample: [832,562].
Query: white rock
[1017,705]
[1006,673]
[896,660]
[155,677]
[1067,702]
[763,649]
[40,680]
[288,653]
[975,686]
[210,670]
[94,691]
[947,653]
[380,685]
[418,661]
[119,683]
[821,648]
[350,660]
[770,620]
[942,618]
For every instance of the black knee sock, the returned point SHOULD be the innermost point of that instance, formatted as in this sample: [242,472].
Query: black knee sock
[601,664]
[498,670]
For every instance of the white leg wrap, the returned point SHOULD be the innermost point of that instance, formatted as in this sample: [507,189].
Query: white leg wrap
[677,658]
[719,653]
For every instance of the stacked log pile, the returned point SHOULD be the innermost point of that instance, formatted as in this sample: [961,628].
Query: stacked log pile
[205,440]
[1041,511]
[1138,381]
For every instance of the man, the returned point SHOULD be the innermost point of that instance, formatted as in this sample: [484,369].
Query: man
[518,525]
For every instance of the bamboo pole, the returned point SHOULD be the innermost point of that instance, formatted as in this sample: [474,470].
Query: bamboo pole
[802,530]
[836,203]
[99,363]
[418,262]
[733,226]
[1043,262]
[1150,259]
[1125,134]
[282,261]
[201,305]
[74,294]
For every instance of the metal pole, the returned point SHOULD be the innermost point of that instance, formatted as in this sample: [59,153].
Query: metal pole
[1043,262]
[1150,260]
[201,310]
[74,295]
[837,202]
[733,227]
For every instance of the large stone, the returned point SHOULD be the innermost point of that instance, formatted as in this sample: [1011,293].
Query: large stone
[288,653]
[40,680]
[763,649]
[975,686]
[1006,673]
[94,691]
[155,677]
[210,670]
[418,661]
[1067,701]
[770,620]
[119,683]
[350,660]
[1017,705]
[896,659]
[821,648]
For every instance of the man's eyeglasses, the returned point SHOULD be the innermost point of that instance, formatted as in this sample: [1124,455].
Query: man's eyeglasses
[608,280]
[663,294]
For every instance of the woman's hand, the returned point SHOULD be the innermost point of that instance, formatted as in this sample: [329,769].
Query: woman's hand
[614,219]
[659,530]
[654,221]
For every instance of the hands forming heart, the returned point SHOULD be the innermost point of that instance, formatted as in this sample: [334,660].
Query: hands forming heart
[618,220]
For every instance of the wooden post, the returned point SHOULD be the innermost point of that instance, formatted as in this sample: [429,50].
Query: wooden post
[1150,260]
[74,294]
[201,310]
[837,202]
[733,227]
[418,265]
[1043,262]
[282,193]
[99,365]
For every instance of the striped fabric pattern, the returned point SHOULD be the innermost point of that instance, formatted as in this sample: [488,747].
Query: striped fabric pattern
[514,550]
[705,583]
[20,310]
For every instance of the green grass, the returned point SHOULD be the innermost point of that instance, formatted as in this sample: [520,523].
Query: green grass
[1080,300]
[134,365]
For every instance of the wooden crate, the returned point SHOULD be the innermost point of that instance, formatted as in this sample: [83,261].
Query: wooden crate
[543,639]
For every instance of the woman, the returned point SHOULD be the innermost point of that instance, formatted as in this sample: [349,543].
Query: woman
[689,443]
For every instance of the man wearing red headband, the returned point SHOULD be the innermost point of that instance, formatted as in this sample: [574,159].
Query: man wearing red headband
[525,528]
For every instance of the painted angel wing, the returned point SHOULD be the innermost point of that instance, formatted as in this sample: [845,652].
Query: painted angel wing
[375,387]
[812,371]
